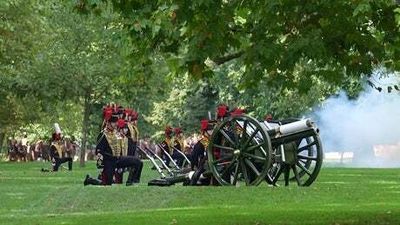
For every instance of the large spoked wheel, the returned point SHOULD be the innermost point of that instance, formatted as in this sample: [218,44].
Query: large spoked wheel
[304,161]
[239,151]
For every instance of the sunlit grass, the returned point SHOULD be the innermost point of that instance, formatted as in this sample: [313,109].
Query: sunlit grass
[339,196]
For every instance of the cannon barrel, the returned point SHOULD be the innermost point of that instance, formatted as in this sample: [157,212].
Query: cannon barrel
[275,141]
[291,128]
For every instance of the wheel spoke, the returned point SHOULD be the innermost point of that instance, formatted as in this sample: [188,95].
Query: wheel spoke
[304,169]
[235,176]
[251,165]
[228,167]
[251,148]
[224,147]
[306,146]
[227,137]
[303,161]
[254,156]
[306,157]
[250,138]
[223,159]
[244,172]
[278,174]
[233,128]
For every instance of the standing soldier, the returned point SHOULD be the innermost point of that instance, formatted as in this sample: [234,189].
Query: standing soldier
[57,150]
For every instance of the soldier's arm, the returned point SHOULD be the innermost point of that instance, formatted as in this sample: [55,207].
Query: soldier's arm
[101,147]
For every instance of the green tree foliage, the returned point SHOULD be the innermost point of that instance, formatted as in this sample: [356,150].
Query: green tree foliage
[271,38]
[173,61]
[20,30]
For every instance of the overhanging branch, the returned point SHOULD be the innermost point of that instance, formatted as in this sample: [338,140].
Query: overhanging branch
[226,58]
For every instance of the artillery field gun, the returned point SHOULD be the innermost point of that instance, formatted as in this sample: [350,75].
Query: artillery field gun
[245,151]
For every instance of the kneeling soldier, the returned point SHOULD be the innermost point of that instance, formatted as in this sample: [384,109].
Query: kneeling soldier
[112,147]
[57,150]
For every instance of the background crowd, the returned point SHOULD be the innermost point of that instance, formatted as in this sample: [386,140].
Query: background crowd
[23,149]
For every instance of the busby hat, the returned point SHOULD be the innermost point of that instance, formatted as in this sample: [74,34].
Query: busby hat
[177,131]
[135,115]
[237,112]
[128,112]
[206,125]
[120,111]
[222,111]
[121,123]
[168,131]
[57,132]
[107,113]
[131,114]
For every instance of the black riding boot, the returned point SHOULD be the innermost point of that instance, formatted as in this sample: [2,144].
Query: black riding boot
[131,177]
[70,164]
[91,181]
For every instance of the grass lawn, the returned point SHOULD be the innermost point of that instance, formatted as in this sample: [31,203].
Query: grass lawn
[339,196]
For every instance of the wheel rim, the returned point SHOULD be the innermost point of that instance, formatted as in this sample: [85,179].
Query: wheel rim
[239,151]
[306,168]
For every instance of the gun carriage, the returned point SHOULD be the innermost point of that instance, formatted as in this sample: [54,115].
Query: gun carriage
[245,151]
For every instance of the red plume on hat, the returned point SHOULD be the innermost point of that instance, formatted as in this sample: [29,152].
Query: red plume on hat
[128,111]
[127,114]
[238,112]
[168,131]
[177,131]
[135,115]
[204,125]
[222,110]
[107,113]
[121,123]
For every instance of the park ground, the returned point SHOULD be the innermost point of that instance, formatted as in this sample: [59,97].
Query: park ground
[339,196]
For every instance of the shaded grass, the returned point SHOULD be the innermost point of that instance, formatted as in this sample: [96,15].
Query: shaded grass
[339,196]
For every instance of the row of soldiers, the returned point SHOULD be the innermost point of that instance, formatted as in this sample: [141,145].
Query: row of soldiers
[118,140]
[197,156]
[173,142]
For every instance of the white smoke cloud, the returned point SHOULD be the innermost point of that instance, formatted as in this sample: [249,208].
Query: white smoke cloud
[359,125]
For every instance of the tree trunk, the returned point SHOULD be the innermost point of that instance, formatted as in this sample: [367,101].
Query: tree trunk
[85,126]
[2,135]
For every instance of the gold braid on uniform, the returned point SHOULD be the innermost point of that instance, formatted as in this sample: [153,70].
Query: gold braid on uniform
[124,145]
[134,132]
[113,142]
[205,141]
[168,141]
[181,143]
[59,149]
